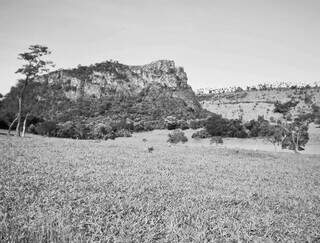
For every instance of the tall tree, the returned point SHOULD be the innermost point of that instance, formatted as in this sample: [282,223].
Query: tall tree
[34,65]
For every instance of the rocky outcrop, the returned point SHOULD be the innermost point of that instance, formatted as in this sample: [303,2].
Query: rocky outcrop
[113,91]
[112,79]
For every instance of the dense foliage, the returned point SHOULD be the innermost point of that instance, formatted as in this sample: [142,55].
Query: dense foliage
[203,133]
[218,126]
[284,108]
[177,136]
[293,135]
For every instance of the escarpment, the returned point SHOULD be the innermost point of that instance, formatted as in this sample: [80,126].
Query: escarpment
[114,91]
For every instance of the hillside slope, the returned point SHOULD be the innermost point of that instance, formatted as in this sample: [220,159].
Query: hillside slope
[109,91]
[251,104]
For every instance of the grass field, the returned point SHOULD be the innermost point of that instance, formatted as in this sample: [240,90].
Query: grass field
[62,190]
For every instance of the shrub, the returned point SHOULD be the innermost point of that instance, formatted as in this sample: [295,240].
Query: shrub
[32,129]
[149,125]
[253,126]
[123,133]
[3,124]
[196,124]
[182,124]
[308,99]
[216,140]
[82,131]
[272,119]
[216,125]
[122,124]
[48,128]
[201,134]
[138,126]
[235,128]
[67,130]
[100,130]
[171,123]
[177,136]
[285,107]
[112,135]
[260,127]
[316,113]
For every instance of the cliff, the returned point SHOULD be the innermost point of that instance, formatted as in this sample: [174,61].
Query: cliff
[112,91]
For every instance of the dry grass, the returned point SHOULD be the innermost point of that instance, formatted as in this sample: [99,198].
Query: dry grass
[67,190]
[261,103]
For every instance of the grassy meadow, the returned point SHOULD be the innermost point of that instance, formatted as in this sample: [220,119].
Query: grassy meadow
[62,190]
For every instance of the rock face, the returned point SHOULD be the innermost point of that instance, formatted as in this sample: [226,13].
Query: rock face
[115,79]
[114,90]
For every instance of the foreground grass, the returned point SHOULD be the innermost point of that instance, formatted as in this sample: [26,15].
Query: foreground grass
[67,190]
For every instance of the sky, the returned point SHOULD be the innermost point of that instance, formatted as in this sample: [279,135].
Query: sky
[219,43]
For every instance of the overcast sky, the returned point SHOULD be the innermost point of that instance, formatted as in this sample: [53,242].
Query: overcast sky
[219,43]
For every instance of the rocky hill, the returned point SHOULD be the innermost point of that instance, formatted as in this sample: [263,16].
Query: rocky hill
[109,91]
[250,104]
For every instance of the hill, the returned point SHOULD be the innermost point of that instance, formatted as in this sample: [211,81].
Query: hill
[109,92]
[273,104]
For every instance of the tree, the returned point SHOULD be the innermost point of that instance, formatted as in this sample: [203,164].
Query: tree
[34,66]
[293,136]
[216,125]
[296,135]
[277,136]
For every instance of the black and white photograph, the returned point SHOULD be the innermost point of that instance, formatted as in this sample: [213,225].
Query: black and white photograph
[159,121]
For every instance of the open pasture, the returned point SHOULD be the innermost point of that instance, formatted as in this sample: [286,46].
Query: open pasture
[61,190]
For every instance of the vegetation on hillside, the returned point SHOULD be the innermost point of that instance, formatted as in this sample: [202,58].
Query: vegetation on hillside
[47,103]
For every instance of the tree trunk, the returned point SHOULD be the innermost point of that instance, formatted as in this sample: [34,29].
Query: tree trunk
[295,143]
[19,118]
[24,125]
[12,123]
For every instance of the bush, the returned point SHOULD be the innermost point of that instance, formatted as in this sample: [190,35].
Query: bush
[177,136]
[196,124]
[32,129]
[112,135]
[171,123]
[316,113]
[149,125]
[122,124]
[67,130]
[254,127]
[216,125]
[138,126]
[3,124]
[216,140]
[100,130]
[236,129]
[48,128]
[272,119]
[82,131]
[123,133]
[182,124]
[259,128]
[201,134]
[285,107]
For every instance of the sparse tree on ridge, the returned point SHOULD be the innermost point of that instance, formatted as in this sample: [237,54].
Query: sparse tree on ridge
[34,66]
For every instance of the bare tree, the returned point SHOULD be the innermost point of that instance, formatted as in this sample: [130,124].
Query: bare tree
[34,66]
